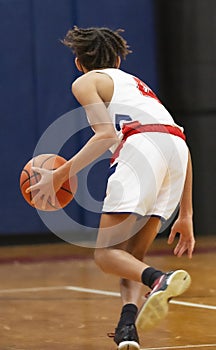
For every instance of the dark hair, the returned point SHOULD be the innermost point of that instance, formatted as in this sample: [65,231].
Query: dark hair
[96,47]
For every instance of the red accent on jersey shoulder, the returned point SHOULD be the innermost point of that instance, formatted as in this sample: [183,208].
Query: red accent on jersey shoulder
[144,89]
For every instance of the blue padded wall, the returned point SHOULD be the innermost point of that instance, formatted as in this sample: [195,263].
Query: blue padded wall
[36,72]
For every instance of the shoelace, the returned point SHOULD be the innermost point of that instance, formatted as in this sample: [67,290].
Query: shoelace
[153,287]
[147,294]
[111,334]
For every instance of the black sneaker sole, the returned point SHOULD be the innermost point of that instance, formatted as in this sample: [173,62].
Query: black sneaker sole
[156,306]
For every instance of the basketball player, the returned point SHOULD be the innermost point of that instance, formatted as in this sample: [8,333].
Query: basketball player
[150,174]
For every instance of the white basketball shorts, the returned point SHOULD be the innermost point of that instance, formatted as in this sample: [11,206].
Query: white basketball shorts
[148,176]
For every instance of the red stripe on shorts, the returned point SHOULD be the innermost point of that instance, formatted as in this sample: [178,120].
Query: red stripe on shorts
[135,128]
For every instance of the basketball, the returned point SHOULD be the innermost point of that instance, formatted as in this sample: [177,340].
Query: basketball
[28,178]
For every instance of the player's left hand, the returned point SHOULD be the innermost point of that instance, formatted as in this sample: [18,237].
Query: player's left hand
[186,242]
[46,187]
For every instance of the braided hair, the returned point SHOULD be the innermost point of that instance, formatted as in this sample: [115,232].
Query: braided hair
[96,47]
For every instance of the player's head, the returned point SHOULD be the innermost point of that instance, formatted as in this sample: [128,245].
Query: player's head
[96,48]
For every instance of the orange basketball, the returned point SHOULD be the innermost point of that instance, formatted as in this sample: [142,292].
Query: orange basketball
[28,178]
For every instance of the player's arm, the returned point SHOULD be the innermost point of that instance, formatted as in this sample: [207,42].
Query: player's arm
[85,91]
[184,223]
[186,205]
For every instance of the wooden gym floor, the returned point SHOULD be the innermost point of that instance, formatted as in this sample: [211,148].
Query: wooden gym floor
[53,297]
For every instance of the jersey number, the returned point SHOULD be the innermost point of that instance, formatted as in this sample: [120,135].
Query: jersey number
[144,89]
[119,118]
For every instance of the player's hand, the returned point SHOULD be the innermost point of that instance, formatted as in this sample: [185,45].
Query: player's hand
[46,187]
[186,242]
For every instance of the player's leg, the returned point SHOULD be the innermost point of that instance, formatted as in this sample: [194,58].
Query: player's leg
[112,257]
[138,245]
[164,286]
[110,253]
[172,283]
[132,291]
[114,238]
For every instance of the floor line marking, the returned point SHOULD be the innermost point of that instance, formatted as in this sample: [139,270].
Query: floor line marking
[32,289]
[115,294]
[181,347]
[94,291]
[186,303]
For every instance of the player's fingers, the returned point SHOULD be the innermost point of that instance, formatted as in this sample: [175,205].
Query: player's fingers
[171,236]
[36,198]
[185,247]
[32,188]
[181,251]
[53,199]
[178,247]
[44,202]
[176,250]
[37,170]
[191,249]
[190,253]
[28,189]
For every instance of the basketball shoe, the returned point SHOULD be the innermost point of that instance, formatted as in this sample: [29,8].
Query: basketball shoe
[126,337]
[155,308]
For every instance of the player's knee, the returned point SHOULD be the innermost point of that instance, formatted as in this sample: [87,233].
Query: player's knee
[99,256]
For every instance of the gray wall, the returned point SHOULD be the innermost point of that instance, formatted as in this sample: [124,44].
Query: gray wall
[187,74]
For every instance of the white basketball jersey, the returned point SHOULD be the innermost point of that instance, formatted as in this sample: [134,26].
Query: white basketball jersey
[133,100]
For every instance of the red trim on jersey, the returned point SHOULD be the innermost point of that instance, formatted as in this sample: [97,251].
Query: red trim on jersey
[145,90]
[135,128]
